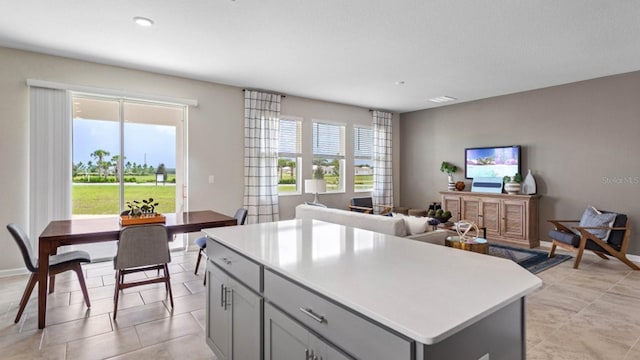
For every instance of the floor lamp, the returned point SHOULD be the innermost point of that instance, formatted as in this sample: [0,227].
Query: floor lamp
[315,186]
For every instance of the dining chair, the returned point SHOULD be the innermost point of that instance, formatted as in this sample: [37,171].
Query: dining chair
[57,263]
[241,217]
[142,248]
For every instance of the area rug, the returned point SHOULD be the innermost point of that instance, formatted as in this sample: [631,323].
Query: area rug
[532,260]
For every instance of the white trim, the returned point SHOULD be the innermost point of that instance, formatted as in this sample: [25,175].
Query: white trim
[14,272]
[128,95]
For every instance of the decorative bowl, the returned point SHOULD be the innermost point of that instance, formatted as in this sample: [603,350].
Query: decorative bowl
[442,219]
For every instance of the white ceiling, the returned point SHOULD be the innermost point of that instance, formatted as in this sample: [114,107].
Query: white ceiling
[347,51]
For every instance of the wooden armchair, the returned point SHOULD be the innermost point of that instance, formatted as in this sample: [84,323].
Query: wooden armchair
[614,245]
[365,205]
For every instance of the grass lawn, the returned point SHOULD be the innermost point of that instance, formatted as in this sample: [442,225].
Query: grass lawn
[104,199]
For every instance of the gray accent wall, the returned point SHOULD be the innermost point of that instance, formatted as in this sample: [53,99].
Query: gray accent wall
[581,141]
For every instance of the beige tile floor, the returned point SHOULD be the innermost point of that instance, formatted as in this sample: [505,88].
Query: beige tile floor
[590,313]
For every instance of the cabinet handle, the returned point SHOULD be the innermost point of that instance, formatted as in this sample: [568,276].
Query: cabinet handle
[228,298]
[226,261]
[222,295]
[319,318]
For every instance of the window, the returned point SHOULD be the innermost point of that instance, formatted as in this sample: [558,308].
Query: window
[362,158]
[328,154]
[289,156]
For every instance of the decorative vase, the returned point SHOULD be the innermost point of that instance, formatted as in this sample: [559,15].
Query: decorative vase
[529,184]
[452,185]
[512,187]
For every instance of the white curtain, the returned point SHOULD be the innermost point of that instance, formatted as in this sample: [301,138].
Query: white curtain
[382,159]
[50,158]
[261,129]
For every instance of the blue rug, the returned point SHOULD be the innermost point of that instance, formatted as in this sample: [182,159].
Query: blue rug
[532,260]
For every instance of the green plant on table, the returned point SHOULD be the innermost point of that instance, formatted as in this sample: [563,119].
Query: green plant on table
[448,168]
[148,207]
[517,178]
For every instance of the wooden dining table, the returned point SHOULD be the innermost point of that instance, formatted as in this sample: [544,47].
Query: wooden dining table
[92,230]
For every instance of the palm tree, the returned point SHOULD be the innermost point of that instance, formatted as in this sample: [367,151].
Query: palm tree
[99,155]
[115,161]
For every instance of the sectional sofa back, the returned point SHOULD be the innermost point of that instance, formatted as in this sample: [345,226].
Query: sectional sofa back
[377,223]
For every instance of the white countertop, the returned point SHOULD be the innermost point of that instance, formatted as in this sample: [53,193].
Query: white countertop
[426,292]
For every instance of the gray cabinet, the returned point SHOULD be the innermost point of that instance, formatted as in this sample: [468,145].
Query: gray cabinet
[345,329]
[234,319]
[287,340]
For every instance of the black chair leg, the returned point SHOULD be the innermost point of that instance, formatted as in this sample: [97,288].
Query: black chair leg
[198,262]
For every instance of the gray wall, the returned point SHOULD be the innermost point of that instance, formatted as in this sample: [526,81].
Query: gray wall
[215,137]
[581,141]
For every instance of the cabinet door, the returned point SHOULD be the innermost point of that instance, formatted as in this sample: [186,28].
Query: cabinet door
[218,318]
[324,351]
[246,319]
[452,203]
[284,339]
[514,219]
[490,216]
[470,208]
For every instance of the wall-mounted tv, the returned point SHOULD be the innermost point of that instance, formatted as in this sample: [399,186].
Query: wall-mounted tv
[496,161]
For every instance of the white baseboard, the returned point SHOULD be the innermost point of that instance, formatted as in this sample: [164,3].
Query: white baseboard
[13,272]
[634,258]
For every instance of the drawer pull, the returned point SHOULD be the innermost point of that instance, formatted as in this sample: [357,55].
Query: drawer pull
[319,318]
[226,261]
[222,295]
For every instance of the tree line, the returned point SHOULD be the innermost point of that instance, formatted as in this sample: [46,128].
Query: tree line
[106,165]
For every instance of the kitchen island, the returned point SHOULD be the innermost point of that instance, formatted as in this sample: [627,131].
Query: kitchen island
[307,289]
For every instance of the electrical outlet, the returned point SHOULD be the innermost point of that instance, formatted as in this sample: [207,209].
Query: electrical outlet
[211,179]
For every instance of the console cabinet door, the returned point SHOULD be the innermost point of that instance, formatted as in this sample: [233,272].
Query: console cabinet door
[514,219]
[218,318]
[470,209]
[490,217]
[452,203]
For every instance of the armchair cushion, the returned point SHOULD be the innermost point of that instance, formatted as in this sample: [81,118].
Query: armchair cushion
[565,237]
[594,218]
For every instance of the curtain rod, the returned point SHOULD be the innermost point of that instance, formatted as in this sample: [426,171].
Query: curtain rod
[265,91]
[372,110]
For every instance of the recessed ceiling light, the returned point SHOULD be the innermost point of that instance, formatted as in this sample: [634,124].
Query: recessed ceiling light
[442,99]
[400,82]
[143,21]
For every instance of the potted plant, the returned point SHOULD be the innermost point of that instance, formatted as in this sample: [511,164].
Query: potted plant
[148,207]
[512,183]
[449,168]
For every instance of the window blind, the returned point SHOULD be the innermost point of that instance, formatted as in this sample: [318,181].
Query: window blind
[362,143]
[328,140]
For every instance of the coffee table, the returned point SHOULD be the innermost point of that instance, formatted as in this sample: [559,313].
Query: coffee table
[481,247]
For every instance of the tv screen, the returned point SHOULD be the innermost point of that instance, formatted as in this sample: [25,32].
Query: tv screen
[497,161]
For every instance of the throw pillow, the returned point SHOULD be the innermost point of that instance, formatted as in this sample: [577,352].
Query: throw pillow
[591,217]
[416,225]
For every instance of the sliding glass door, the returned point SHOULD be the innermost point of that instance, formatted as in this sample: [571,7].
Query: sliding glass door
[125,151]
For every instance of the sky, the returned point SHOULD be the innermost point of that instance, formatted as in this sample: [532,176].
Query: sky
[156,143]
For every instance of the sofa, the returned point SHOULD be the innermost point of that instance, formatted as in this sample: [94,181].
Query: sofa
[409,227]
